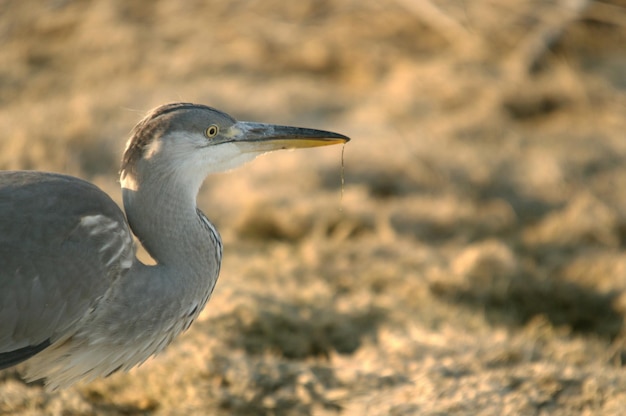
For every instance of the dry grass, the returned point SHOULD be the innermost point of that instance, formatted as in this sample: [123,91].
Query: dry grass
[475,263]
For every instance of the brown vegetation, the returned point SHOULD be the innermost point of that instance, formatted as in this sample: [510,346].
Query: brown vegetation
[474,263]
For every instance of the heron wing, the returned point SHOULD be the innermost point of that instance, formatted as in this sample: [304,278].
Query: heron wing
[63,242]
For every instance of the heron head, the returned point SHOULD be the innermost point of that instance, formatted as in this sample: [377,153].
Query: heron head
[186,142]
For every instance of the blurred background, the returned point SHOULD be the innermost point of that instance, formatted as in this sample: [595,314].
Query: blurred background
[473,262]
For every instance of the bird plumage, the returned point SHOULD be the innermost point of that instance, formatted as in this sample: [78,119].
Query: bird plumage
[54,267]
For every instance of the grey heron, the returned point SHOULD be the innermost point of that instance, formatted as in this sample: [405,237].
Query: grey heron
[75,302]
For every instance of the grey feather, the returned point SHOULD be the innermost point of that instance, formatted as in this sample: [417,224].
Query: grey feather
[52,270]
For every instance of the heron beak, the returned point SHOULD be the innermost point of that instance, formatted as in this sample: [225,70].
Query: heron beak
[255,137]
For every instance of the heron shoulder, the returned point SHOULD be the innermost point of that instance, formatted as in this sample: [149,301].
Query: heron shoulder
[63,243]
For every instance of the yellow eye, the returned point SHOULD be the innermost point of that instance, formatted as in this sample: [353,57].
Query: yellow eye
[211,131]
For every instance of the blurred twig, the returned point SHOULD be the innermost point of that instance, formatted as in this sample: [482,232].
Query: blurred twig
[552,19]
[441,22]
[539,40]
[608,13]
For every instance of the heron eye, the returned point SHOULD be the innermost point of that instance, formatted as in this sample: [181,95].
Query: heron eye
[211,131]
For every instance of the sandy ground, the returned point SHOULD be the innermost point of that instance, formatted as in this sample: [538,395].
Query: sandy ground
[474,262]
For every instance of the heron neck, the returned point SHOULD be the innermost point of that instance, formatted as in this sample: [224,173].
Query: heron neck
[165,219]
